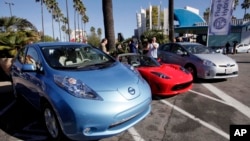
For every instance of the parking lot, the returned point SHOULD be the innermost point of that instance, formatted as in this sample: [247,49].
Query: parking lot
[203,114]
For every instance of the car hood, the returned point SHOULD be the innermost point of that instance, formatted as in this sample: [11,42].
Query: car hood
[115,78]
[108,78]
[172,71]
[175,73]
[216,58]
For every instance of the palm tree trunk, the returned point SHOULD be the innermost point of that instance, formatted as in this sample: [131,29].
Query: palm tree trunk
[68,18]
[42,19]
[107,8]
[171,20]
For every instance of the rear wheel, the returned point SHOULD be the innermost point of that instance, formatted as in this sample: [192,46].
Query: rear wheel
[52,124]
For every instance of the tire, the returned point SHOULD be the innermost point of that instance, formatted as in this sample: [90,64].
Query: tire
[52,125]
[192,70]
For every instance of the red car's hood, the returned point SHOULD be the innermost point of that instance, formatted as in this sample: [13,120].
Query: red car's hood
[172,71]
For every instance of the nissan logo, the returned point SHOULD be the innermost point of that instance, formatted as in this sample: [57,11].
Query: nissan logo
[131,90]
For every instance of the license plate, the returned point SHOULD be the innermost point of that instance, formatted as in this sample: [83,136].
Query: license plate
[228,71]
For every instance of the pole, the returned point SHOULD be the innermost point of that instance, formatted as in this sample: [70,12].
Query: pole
[10,4]
[171,20]
[68,18]
[42,20]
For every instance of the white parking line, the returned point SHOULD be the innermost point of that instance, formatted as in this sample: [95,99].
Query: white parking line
[209,97]
[135,134]
[229,100]
[211,127]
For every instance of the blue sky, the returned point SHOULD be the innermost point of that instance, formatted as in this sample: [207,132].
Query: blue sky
[124,12]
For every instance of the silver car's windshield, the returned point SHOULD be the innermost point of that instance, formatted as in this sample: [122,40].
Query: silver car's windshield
[76,57]
[198,49]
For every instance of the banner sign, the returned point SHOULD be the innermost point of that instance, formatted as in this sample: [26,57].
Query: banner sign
[220,17]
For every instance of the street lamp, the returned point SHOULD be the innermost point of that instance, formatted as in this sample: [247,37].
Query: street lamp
[10,4]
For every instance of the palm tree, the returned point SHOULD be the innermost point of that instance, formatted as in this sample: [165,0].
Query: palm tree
[68,31]
[17,33]
[81,11]
[245,5]
[85,20]
[107,9]
[99,32]
[41,15]
[13,23]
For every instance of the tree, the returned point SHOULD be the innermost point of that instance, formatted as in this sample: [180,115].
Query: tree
[41,1]
[99,32]
[17,33]
[245,5]
[107,9]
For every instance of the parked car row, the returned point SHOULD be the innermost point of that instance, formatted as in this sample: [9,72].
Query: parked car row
[85,94]
[240,48]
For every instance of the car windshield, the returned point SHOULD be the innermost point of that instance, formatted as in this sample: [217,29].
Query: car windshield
[138,60]
[76,57]
[198,49]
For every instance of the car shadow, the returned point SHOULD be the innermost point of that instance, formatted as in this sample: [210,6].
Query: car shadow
[199,80]
[18,119]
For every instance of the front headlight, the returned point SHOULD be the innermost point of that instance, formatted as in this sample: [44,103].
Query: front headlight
[208,63]
[160,75]
[76,87]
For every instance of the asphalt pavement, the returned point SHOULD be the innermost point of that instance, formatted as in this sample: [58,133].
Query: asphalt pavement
[5,99]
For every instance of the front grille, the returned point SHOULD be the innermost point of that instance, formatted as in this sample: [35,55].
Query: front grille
[225,66]
[224,74]
[117,123]
[182,86]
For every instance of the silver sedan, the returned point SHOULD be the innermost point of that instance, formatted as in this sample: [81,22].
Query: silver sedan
[200,60]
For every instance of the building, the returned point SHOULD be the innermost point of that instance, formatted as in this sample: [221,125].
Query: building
[194,28]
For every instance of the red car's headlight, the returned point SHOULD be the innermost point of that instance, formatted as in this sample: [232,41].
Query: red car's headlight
[161,75]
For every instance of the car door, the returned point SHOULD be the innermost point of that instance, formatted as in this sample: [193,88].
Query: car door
[178,54]
[29,81]
[164,53]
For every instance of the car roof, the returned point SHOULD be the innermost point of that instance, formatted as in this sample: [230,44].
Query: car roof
[43,44]
[188,43]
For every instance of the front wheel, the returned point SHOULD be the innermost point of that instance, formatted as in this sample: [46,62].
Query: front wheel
[52,124]
[192,70]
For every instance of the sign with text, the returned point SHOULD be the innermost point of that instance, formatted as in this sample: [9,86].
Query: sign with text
[220,17]
[239,132]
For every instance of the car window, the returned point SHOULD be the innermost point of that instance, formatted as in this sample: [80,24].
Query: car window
[198,49]
[76,56]
[138,60]
[177,49]
[165,47]
[32,57]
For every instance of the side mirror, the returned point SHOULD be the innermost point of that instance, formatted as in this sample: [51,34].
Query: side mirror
[29,68]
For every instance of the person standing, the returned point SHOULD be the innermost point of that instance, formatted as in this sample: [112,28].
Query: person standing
[133,47]
[227,47]
[234,46]
[153,46]
[103,44]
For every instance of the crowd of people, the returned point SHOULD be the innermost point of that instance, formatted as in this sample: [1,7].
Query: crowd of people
[148,48]
[227,46]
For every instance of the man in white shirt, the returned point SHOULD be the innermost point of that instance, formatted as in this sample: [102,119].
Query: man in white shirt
[152,51]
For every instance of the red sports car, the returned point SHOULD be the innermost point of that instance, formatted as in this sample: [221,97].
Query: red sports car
[164,79]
